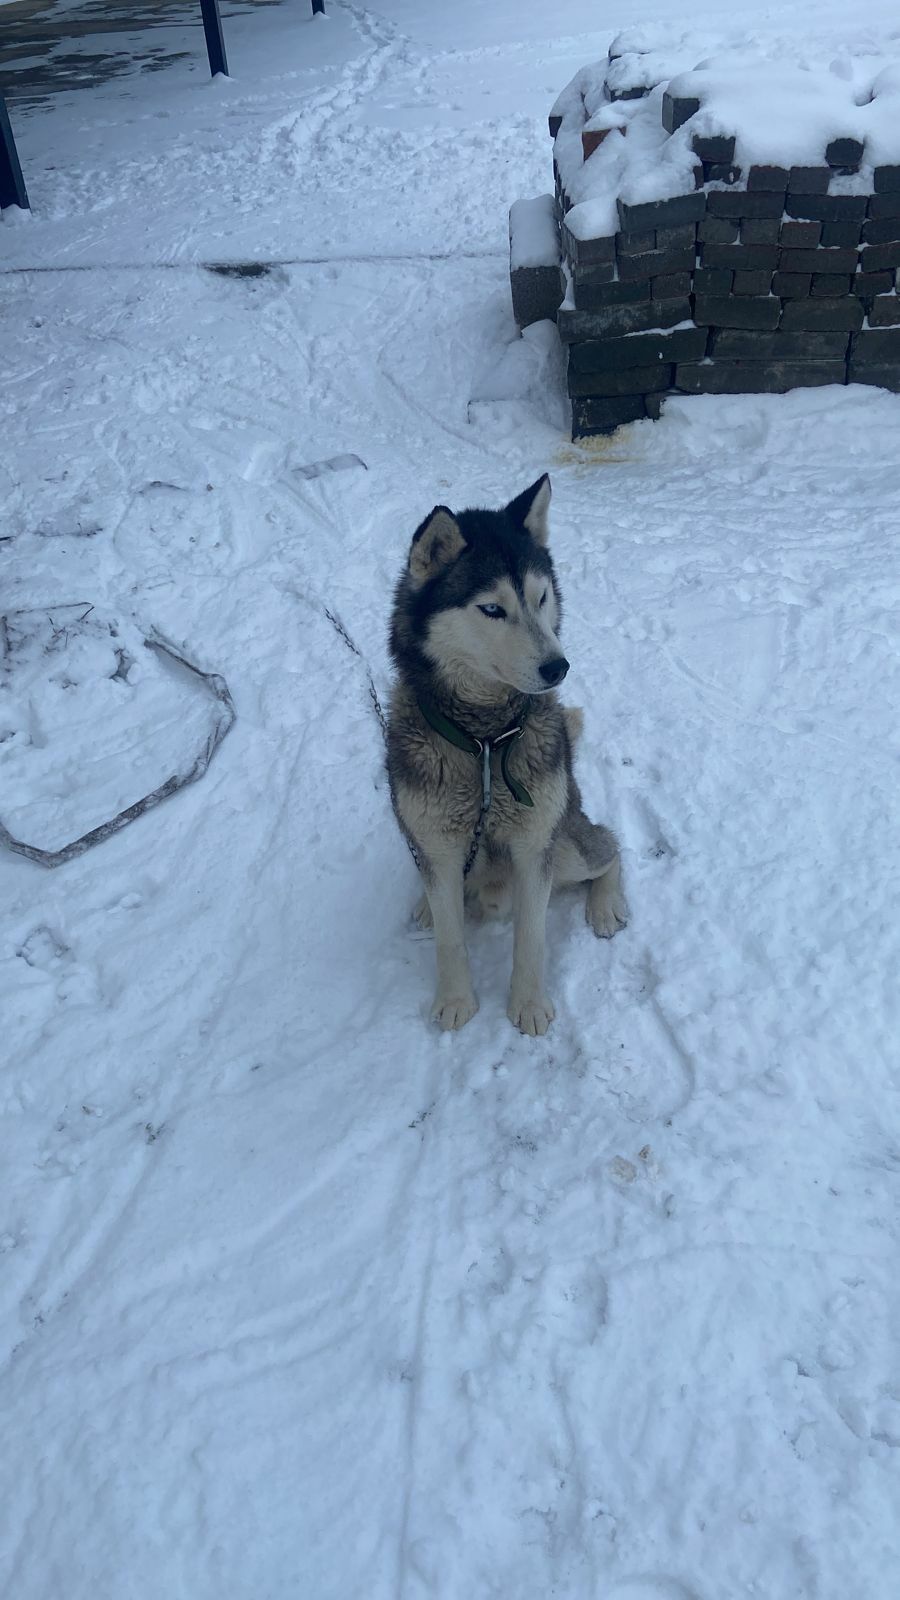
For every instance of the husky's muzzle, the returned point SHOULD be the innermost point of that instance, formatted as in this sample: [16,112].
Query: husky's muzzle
[554,670]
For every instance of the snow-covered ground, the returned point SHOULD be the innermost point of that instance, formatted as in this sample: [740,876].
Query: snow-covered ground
[300,1300]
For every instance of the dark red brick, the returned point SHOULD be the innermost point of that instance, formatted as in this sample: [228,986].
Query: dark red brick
[841,235]
[592,417]
[818,261]
[885,205]
[637,350]
[681,237]
[887,180]
[741,345]
[757,377]
[736,311]
[792,285]
[595,272]
[884,312]
[833,315]
[827,207]
[628,380]
[584,251]
[594,294]
[881,230]
[536,293]
[656,264]
[878,257]
[800,235]
[672,286]
[738,203]
[809,180]
[636,244]
[869,284]
[713,147]
[826,286]
[661,213]
[676,109]
[752,283]
[769,179]
[712,280]
[760,230]
[718,230]
[885,376]
[612,322]
[592,139]
[876,344]
[741,257]
[844,153]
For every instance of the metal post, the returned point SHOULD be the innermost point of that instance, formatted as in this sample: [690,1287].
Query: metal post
[215,44]
[12,184]
[318,8]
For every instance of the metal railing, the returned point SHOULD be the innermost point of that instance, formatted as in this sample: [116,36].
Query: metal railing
[12,183]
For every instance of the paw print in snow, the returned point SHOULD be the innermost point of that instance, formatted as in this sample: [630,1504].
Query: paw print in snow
[46,951]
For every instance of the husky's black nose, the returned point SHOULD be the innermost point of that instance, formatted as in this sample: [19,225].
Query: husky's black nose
[554,670]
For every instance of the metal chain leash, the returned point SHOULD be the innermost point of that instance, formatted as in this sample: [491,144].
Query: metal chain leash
[342,633]
[378,708]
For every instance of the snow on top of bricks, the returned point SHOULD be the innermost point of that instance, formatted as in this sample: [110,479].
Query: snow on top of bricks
[646,164]
[640,58]
[533,233]
[780,112]
[644,70]
[787,113]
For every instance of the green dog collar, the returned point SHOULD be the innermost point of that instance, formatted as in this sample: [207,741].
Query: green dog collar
[484,748]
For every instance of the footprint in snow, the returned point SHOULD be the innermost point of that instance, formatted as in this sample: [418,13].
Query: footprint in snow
[46,952]
[43,949]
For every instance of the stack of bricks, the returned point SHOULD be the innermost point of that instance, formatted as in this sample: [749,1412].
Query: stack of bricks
[758,281]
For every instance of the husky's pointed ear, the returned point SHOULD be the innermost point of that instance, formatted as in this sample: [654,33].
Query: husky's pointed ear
[529,510]
[436,544]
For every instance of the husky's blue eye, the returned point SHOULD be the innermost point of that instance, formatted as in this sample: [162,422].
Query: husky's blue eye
[493,611]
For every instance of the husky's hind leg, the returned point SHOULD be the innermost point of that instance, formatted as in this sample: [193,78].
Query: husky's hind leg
[605,908]
[586,852]
[421,914]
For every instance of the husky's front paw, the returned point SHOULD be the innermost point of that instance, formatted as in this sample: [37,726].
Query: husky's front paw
[606,909]
[452,1011]
[531,1013]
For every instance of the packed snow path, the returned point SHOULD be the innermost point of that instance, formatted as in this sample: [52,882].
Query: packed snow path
[301,1299]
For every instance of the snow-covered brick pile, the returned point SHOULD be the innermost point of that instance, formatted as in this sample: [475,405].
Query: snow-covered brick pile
[729,225]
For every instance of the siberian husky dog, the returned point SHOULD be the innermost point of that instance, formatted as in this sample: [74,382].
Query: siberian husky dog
[479,748]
